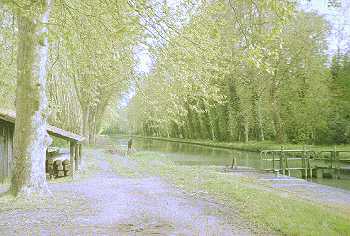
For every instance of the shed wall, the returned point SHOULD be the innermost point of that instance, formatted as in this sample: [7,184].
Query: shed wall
[6,147]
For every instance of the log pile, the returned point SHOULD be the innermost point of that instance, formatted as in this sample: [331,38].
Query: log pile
[57,168]
[66,167]
[50,173]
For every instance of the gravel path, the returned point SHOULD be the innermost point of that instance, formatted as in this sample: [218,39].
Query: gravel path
[108,204]
[334,198]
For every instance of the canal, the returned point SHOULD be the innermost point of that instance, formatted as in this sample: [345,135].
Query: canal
[191,154]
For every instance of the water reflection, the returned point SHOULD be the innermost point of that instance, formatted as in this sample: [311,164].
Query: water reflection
[189,154]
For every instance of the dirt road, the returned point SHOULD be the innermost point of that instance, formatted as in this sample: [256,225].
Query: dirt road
[107,204]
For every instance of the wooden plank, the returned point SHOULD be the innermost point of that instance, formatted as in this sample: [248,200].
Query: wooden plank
[289,159]
[296,168]
[60,133]
[286,150]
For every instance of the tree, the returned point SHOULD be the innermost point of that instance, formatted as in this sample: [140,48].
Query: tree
[236,71]
[31,138]
[103,66]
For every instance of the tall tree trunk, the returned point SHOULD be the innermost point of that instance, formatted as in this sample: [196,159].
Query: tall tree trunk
[92,126]
[280,135]
[85,126]
[246,129]
[259,119]
[31,139]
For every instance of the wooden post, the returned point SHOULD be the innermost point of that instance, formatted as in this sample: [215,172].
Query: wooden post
[5,151]
[72,154]
[234,163]
[80,153]
[304,162]
[76,157]
[2,158]
[333,157]
[286,166]
[281,162]
[336,163]
[309,166]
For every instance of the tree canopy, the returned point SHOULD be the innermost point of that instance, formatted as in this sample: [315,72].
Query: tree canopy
[239,70]
[222,70]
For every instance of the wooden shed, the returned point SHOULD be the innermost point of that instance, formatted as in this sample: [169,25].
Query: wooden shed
[7,127]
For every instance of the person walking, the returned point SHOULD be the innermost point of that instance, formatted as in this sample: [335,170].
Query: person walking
[129,145]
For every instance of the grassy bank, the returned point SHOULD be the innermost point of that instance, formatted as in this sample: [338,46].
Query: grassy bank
[271,210]
[251,146]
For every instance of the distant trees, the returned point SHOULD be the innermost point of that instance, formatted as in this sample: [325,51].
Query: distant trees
[339,115]
[239,71]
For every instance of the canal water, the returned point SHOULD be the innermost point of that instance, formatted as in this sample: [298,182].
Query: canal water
[191,154]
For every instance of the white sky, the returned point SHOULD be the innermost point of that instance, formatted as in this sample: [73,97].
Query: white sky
[339,19]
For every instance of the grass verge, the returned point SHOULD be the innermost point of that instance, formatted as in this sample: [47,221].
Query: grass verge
[270,210]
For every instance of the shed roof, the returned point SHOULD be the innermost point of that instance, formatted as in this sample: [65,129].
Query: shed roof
[10,116]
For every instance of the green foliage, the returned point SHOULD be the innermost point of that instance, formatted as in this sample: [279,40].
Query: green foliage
[238,71]
[8,54]
[339,118]
[92,47]
[58,142]
[91,58]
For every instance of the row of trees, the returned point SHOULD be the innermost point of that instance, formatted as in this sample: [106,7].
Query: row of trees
[64,62]
[90,60]
[338,130]
[240,71]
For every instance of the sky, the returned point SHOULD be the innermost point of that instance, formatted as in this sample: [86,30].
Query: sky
[339,19]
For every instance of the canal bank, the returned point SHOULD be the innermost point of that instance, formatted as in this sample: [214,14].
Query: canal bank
[185,153]
[251,146]
[286,205]
[282,205]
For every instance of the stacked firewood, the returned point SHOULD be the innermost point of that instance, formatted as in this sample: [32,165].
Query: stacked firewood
[50,173]
[57,168]
[66,167]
